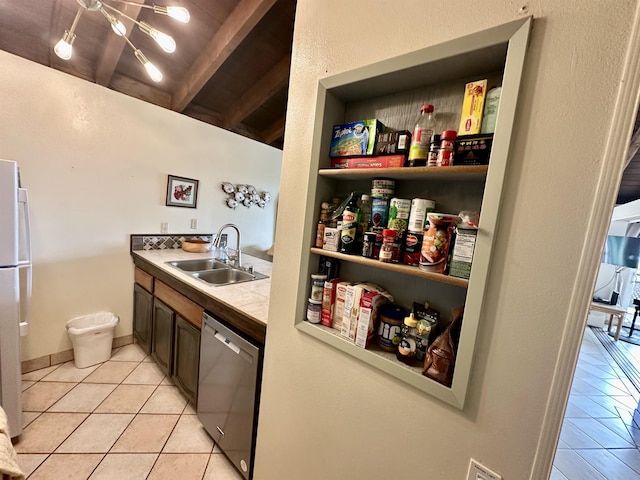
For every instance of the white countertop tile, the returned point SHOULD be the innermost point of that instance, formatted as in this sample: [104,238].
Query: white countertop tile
[250,298]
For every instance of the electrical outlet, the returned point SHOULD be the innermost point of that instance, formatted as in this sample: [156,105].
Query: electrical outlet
[194,223]
[164,227]
[480,472]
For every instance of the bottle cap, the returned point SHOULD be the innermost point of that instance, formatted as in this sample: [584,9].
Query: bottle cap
[449,135]
[427,107]
[435,138]
[410,321]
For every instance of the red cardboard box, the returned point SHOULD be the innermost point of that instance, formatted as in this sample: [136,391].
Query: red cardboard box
[381,161]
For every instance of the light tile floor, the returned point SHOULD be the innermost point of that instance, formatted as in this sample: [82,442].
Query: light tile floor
[600,437]
[122,419]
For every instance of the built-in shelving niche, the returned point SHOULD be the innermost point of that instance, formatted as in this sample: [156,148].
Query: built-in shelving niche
[392,91]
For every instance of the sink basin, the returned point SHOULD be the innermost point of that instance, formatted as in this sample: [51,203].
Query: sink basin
[227,276]
[198,264]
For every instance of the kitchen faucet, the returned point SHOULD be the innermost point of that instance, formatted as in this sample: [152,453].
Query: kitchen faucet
[237,261]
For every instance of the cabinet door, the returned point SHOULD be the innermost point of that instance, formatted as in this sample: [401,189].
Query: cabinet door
[186,358]
[142,317]
[162,344]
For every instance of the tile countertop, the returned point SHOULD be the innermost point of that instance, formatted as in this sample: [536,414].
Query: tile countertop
[249,298]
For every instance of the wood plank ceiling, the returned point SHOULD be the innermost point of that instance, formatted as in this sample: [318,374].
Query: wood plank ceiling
[230,67]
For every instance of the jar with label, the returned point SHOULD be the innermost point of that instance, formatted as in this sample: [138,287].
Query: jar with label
[390,322]
[317,285]
[350,222]
[447,144]
[368,244]
[314,310]
[408,345]
[389,245]
[320,234]
[434,148]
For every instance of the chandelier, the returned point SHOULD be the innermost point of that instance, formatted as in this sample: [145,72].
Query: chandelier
[63,48]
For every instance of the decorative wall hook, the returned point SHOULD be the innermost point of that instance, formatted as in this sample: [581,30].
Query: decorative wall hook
[245,195]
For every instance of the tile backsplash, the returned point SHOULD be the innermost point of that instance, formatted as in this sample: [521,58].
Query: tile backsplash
[165,241]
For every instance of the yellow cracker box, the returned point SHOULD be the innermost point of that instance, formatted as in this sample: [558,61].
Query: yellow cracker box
[472,106]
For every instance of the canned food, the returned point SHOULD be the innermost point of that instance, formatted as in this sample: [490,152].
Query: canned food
[436,241]
[412,246]
[379,212]
[418,215]
[399,209]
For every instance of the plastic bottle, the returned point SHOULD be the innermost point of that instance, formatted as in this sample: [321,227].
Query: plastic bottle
[421,138]
[349,229]
[409,341]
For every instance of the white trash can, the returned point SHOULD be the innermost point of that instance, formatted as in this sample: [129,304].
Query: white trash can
[92,337]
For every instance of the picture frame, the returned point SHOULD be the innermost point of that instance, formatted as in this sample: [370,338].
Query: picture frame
[181,192]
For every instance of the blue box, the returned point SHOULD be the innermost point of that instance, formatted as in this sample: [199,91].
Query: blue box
[355,138]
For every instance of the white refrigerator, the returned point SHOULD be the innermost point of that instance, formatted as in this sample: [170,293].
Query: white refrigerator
[15,288]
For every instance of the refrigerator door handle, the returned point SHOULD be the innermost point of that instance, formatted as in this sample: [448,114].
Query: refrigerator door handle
[25,300]
[23,199]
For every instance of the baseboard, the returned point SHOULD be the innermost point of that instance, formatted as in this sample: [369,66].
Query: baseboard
[65,356]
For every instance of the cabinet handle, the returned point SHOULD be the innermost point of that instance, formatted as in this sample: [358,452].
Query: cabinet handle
[220,430]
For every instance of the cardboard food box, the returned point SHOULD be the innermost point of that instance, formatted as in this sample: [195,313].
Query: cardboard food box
[338,306]
[331,239]
[350,315]
[355,138]
[472,107]
[381,161]
[462,255]
[328,302]
[389,143]
[368,317]
[473,149]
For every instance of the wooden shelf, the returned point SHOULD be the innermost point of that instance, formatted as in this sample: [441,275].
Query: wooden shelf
[461,172]
[394,267]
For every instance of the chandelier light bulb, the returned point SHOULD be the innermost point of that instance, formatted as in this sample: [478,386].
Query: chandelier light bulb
[166,42]
[180,14]
[63,48]
[151,69]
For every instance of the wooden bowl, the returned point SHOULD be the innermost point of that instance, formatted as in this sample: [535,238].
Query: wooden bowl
[196,246]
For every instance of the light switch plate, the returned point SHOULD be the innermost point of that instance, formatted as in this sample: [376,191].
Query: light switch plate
[480,472]
[194,223]
[164,227]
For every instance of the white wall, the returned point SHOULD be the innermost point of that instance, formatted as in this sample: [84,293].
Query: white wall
[325,415]
[95,163]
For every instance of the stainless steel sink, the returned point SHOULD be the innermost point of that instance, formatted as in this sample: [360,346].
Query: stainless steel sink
[227,276]
[198,264]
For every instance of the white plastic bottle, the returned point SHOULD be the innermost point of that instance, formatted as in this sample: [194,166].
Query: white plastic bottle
[421,138]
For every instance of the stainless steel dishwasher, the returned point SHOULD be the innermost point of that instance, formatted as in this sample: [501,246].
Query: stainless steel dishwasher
[229,390]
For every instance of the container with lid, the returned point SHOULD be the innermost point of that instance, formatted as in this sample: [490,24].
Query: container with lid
[421,137]
[314,310]
[447,144]
[408,345]
[389,251]
[390,323]
[382,188]
[317,285]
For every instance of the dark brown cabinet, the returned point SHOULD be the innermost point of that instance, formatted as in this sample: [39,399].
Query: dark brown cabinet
[163,334]
[186,358]
[142,317]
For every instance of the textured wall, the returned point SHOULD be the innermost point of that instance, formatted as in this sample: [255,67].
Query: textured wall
[96,164]
[324,415]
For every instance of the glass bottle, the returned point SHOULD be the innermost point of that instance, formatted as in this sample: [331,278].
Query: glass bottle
[349,229]
[421,138]
[365,217]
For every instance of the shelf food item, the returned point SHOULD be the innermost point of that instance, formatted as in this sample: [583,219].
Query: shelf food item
[434,148]
[368,316]
[421,138]
[473,149]
[462,253]
[472,107]
[491,104]
[436,242]
[393,142]
[390,323]
[428,320]
[314,309]
[328,301]
[355,138]
[440,359]
[447,148]
[378,161]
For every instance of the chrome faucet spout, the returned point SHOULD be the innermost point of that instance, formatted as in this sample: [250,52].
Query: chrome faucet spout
[216,242]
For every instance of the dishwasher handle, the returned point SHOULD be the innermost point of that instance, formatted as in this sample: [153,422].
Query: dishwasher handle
[227,343]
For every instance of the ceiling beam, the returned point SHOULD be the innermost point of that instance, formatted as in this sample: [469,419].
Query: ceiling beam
[274,131]
[141,91]
[274,81]
[114,47]
[203,114]
[238,25]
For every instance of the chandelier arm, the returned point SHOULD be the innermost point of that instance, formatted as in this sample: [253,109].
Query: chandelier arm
[76,19]
[121,13]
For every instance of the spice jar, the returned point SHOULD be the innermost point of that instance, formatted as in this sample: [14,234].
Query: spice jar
[447,143]
[314,310]
[389,246]
[317,286]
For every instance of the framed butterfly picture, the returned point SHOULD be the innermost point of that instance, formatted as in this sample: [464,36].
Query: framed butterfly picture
[182,192]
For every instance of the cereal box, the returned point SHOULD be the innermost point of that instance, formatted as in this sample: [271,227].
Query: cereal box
[472,107]
[355,138]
